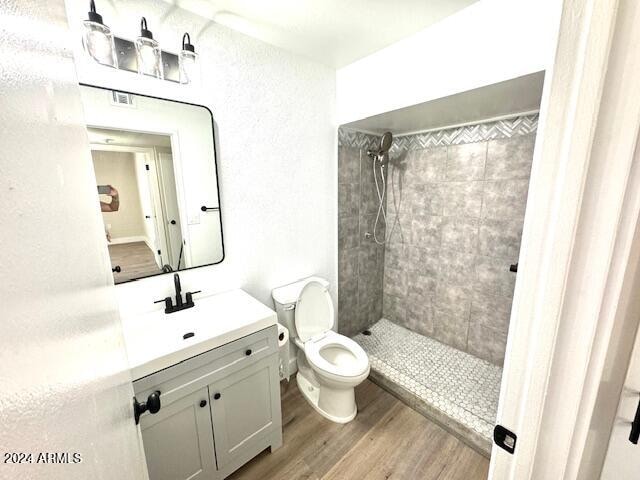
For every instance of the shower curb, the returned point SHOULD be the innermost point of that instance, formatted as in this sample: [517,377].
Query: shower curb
[478,442]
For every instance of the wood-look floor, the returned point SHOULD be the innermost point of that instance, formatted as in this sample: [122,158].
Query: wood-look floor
[387,440]
[135,259]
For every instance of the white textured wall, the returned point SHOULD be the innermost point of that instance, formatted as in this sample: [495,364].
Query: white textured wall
[64,379]
[485,43]
[277,150]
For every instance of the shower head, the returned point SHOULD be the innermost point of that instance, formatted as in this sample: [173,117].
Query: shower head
[381,153]
[385,142]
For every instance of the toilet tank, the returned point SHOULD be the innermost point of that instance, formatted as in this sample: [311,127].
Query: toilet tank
[284,299]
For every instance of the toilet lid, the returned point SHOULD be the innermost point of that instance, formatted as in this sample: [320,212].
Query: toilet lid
[314,311]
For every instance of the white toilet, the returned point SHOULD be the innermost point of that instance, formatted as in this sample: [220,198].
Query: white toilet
[330,365]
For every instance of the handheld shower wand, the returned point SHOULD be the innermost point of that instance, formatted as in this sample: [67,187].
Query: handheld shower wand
[381,158]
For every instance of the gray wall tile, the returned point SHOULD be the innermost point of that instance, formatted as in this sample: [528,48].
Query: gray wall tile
[500,238]
[451,329]
[425,166]
[348,232]
[369,202]
[457,268]
[369,193]
[460,234]
[367,222]
[425,261]
[505,199]
[491,310]
[487,343]
[399,229]
[510,157]
[370,260]
[453,299]
[348,264]
[394,256]
[368,311]
[493,276]
[419,313]
[419,283]
[394,309]
[348,199]
[348,165]
[395,282]
[463,199]
[426,230]
[360,260]
[466,162]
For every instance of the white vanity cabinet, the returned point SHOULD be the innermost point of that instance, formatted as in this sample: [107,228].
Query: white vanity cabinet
[218,410]
[178,440]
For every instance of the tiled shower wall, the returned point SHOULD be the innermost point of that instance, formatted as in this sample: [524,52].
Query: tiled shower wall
[461,197]
[361,260]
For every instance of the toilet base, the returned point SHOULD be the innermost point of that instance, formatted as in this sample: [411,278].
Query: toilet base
[344,396]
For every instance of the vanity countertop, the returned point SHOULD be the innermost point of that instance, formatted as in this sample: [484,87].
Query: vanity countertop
[155,341]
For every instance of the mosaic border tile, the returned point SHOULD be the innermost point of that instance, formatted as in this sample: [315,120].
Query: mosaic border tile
[353,138]
[507,128]
[480,132]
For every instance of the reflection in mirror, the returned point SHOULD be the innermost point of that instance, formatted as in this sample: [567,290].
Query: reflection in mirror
[154,163]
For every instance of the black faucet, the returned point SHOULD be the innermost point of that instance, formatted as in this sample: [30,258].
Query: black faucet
[169,307]
[176,283]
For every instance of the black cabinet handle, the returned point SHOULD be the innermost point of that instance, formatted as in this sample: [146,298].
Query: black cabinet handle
[203,403]
[635,427]
[248,352]
[147,217]
[152,405]
[116,269]
[208,209]
[173,222]
[216,396]
[153,402]
[513,268]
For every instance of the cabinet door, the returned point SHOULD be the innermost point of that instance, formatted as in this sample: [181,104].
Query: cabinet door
[245,408]
[178,440]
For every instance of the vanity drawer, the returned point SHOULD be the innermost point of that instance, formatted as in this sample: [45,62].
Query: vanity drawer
[194,373]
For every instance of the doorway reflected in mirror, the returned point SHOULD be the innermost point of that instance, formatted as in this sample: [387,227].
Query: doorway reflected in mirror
[136,172]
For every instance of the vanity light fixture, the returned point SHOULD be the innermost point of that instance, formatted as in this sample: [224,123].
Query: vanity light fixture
[148,52]
[188,62]
[97,39]
[143,56]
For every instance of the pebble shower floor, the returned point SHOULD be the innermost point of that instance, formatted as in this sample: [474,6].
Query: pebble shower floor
[463,387]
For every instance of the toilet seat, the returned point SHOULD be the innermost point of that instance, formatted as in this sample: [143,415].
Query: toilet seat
[346,359]
[329,353]
[314,311]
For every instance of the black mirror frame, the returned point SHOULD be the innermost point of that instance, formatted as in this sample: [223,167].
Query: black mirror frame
[215,168]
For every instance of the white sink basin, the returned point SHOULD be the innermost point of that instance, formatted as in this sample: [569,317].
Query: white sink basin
[156,340]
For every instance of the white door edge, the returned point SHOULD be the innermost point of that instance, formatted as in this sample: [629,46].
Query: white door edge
[580,190]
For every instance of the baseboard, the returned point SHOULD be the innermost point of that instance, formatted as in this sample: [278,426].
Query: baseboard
[134,239]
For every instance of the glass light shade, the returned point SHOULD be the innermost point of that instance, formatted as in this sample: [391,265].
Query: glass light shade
[189,67]
[149,57]
[98,42]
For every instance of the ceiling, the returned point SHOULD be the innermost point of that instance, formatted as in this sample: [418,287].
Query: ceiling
[104,136]
[518,95]
[333,32]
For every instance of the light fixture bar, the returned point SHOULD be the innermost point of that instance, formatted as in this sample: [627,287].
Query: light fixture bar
[122,54]
[127,60]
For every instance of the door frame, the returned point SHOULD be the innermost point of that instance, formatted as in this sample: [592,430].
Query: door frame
[582,209]
[158,215]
